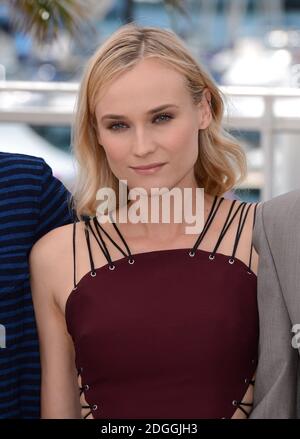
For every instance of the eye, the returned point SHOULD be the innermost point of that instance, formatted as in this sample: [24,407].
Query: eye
[115,126]
[164,117]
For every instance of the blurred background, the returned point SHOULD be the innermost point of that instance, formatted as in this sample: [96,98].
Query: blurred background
[250,47]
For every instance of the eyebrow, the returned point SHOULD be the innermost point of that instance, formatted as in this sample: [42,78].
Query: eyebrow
[154,110]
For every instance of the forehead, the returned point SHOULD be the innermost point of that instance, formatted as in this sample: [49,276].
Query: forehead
[147,85]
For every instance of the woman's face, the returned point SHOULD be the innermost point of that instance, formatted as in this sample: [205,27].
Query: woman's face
[134,132]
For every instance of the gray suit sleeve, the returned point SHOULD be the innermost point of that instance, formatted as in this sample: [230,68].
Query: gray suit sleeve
[276,377]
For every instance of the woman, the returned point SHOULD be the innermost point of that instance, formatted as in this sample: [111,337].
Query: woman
[143,320]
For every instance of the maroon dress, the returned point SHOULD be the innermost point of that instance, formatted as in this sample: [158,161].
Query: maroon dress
[166,333]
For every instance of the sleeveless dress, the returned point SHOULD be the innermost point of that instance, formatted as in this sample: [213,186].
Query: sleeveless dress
[166,333]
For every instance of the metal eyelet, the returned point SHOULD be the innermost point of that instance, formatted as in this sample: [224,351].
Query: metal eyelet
[74,289]
[94,407]
[86,387]
[80,369]
[249,272]
[246,380]
[234,402]
[231,261]
[192,253]
[131,261]
[112,267]
[211,257]
[93,273]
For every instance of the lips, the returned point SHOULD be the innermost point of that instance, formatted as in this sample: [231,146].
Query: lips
[152,165]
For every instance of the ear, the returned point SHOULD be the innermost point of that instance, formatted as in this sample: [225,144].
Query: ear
[205,114]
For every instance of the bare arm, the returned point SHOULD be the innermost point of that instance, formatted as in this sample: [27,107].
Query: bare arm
[59,387]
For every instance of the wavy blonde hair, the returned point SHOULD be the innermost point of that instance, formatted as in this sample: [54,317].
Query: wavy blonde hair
[221,162]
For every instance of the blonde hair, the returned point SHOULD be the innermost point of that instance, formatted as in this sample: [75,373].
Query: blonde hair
[221,162]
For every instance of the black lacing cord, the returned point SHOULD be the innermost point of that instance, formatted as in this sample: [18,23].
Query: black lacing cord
[236,239]
[74,255]
[101,244]
[81,390]
[251,250]
[240,228]
[87,235]
[223,231]
[208,222]
[98,227]
[240,404]
[100,241]
[87,407]
[226,226]
[120,235]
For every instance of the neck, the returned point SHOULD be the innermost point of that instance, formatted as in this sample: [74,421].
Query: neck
[167,217]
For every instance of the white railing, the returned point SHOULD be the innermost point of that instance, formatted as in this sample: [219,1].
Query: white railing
[266,110]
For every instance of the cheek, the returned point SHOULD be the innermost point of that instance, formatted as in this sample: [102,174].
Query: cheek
[182,140]
[115,147]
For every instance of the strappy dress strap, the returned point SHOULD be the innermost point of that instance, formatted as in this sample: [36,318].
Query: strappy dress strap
[121,236]
[251,250]
[97,231]
[100,229]
[87,231]
[243,211]
[212,213]
[229,220]
[74,255]
[88,241]
[240,227]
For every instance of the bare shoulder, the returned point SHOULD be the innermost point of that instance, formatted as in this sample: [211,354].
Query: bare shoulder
[54,266]
[50,259]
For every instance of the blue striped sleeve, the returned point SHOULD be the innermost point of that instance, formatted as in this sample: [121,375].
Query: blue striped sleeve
[32,202]
[54,202]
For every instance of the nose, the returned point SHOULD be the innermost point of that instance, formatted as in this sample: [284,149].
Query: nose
[142,143]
